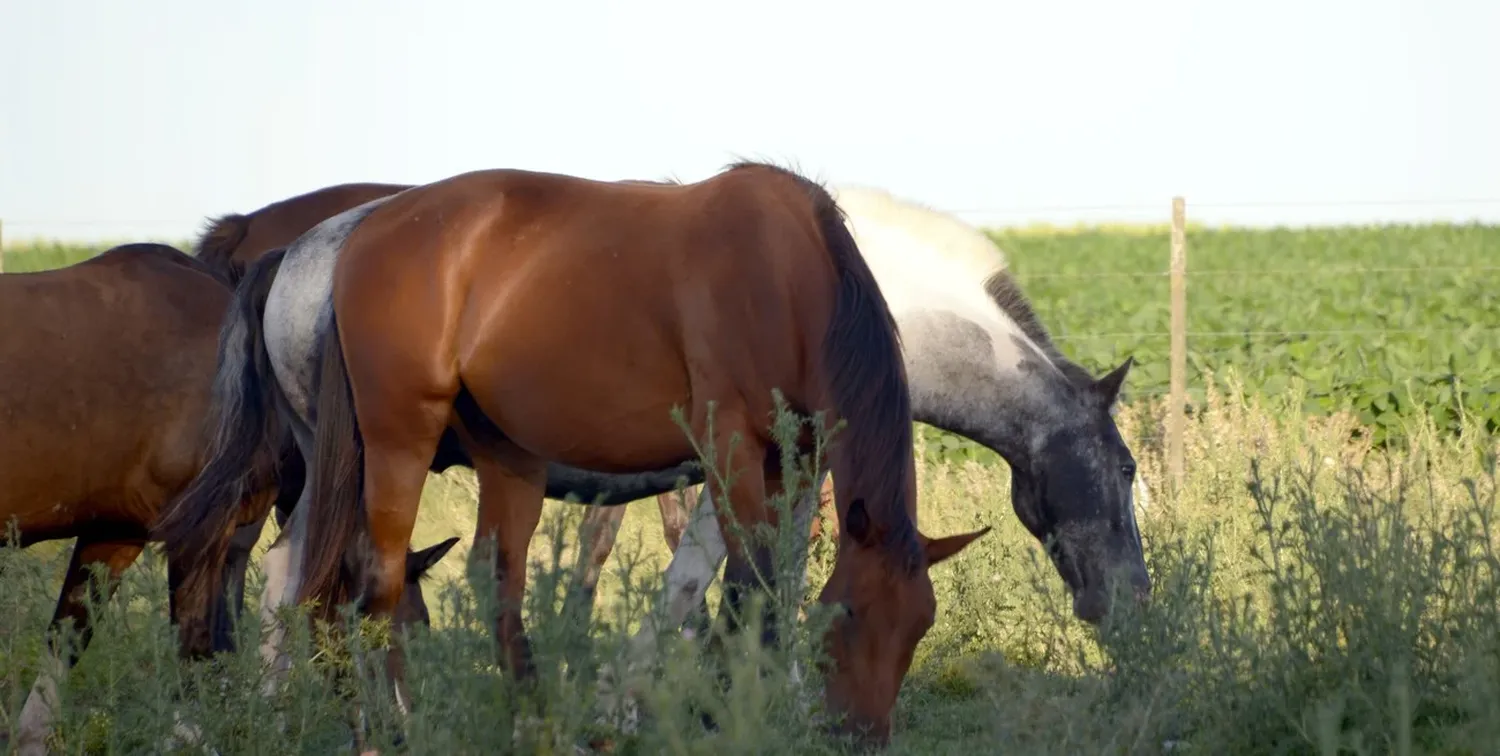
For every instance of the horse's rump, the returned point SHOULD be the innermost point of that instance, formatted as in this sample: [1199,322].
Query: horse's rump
[105,376]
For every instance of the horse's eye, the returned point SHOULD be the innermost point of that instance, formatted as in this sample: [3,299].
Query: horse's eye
[1128,469]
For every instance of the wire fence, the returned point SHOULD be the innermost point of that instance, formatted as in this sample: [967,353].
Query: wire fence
[1053,286]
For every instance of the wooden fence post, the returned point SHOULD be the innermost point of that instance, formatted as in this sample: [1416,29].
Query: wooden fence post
[1177,389]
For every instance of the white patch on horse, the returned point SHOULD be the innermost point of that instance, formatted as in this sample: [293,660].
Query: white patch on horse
[282,567]
[297,306]
[927,252]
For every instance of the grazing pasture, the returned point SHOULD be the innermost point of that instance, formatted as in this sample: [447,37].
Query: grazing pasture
[1326,580]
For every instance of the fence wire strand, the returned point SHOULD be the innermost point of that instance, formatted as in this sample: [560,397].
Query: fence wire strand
[1190,273]
[1339,271]
[1469,331]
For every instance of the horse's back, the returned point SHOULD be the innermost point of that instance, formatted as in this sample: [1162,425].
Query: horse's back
[924,259]
[574,257]
[107,367]
[924,229]
[280,223]
[632,295]
[154,282]
[741,218]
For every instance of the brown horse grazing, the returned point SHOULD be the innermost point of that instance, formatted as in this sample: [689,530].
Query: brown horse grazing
[440,311]
[243,238]
[107,366]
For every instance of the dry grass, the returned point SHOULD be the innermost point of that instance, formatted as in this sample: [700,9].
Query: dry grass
[1312,596]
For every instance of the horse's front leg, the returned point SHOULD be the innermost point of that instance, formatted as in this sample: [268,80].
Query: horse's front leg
[72,603]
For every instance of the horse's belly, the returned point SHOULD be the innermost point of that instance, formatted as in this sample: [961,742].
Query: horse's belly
[590,379]
[56,499]
[71,459]
[607,408]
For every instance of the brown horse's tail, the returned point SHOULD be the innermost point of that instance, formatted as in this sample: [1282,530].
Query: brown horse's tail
[336,547]
[223,236]
[867,382]
[246,440]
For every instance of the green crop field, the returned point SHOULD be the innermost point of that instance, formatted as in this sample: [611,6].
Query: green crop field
[1326,578]
[1374,320]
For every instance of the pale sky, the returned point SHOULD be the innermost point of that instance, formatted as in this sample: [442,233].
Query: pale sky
[134,118]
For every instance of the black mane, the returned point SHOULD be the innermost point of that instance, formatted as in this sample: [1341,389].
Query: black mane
[1006,295]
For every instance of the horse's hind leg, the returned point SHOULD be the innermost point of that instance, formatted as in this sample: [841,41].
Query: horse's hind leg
[281,567]
[225,612]
[398,449]
[401,417]
[674,516]
[116,556]
[700,551]
[290,480]
[231,604]
[511,485]
[596,539]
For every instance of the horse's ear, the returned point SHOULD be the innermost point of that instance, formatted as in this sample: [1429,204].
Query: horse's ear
[857,523]
[419,562]
[939,549]
[1107,389]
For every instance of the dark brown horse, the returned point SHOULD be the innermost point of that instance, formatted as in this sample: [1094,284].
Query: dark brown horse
[107,366]
[441,311]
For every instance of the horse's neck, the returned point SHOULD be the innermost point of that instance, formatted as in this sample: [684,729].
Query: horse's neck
[980,378]
[970,368]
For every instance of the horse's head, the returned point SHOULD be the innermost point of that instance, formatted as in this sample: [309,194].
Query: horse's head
[1075,497]
[889,606]
[413,605]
